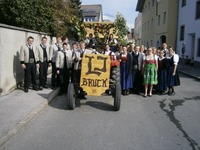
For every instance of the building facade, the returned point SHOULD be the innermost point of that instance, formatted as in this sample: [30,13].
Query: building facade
[188,35]
[92,13]
[159,22]
[138,29]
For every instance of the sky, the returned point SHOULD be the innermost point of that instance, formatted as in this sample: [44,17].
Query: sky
[111,7]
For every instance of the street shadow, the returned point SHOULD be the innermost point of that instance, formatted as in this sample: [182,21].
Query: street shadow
[61,102]
[169,107]
[100,105]
[45,96]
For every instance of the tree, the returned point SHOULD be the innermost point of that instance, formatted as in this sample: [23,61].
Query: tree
[62,17]
[120,23]
[31,14]
[76,19]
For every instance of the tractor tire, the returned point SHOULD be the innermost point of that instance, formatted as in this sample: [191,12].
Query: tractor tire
[71,96]
[117,96]
[115,74]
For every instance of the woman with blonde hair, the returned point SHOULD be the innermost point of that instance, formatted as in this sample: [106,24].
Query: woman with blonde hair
[150,67]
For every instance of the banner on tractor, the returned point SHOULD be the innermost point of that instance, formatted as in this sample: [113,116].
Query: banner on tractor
[95,74]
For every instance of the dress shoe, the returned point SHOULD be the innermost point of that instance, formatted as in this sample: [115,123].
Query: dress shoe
[35,88]
[45,86]
[26,90]
[127,92]
[173,93]
[145,96]
[53,88]
[40,88]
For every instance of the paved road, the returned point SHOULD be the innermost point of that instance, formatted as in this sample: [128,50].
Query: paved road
[155,123]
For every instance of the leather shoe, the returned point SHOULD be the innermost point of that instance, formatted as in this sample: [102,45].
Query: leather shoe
[45,86]
[40,88]
[35,88]
[145,96]
[26,90]
[53,88]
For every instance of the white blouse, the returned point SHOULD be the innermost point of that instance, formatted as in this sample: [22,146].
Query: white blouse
[175,59]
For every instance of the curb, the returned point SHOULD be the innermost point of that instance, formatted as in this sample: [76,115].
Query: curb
[28,118]
[190,75]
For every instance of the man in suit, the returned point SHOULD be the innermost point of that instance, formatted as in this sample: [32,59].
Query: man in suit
[55,81]
[29,61]
[44,62]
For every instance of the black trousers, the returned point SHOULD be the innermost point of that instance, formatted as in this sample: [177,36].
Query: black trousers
[65,75]
[76,76]
[138,81]
[30,72]
[43,73]
[55,78]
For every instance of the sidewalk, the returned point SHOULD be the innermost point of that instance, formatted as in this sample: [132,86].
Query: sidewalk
[191,71]
[18,108]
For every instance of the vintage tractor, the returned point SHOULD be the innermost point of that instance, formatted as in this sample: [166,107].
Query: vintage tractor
[96,78]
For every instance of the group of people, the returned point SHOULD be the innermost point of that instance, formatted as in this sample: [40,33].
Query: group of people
[140,70]
[64,59]
[149,70]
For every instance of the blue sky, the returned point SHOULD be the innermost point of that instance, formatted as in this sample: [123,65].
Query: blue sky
[111,7]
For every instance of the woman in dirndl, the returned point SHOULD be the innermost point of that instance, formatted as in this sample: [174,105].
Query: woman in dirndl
[162,73]
[150,65]
[126,71]
[172,73]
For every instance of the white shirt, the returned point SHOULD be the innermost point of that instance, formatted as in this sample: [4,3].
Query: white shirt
[175,59]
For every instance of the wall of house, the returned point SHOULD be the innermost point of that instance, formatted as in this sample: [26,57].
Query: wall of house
[192,32]
[149,31]
[138,29]
[11,39]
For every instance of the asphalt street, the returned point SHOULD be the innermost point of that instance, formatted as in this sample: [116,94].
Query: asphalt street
[153,123]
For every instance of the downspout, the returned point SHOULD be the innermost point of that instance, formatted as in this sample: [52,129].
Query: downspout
[177,27]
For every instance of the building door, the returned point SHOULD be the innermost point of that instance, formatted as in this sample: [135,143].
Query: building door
[163,39]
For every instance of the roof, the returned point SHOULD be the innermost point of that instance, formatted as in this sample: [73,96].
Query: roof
[140,5]
[91,9]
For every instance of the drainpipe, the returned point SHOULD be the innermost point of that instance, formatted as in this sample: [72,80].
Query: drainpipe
[177,26]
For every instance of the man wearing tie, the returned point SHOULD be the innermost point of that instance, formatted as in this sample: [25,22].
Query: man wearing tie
[29,61]
[44,62]
[52,55]
[64,63]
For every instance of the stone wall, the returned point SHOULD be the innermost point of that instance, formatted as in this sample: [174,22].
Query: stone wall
[11,39]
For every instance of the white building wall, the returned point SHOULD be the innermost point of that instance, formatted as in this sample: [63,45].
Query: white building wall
[138,29]
[11,39]
[187,18]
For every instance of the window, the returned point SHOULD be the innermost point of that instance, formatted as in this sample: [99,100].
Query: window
[164,18]
[183,3]
[152,22]
[182,32]
[198,46]
[158,20]
[198,9]
[153,1]
[148,5]
[90,19]
[158,44]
